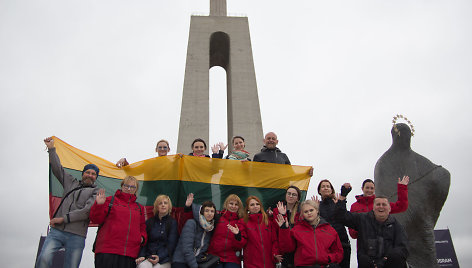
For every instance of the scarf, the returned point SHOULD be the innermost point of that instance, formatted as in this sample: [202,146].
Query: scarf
[207,226]
[238,155]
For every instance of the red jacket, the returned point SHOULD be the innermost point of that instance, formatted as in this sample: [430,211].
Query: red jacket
[223,243]
[320,245]
[261,245]
[366,204]
[123,228]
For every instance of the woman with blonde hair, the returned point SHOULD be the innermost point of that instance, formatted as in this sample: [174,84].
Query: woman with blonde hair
[162,236]
[224,243]
[321,248]
[123,229]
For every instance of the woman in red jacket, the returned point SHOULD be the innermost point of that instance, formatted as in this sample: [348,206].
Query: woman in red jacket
[314,241]
[261,248]
[123,229]
[224,243]
[365,202]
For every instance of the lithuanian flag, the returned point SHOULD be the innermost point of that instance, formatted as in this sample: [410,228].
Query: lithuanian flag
[177,176]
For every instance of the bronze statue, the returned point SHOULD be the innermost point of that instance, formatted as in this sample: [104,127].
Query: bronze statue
[427,192]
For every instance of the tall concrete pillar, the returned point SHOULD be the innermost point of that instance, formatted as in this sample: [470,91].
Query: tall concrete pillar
[218,40]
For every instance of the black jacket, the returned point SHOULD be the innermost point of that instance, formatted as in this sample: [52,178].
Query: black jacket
[327,207]
[375,239]
[271,156]
[161,242]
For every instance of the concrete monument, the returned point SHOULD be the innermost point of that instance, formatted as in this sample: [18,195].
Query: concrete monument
[427,192]
[219,40]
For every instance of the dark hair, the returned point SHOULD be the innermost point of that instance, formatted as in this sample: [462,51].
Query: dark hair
[366,181]
[199,140]
[207,204]
[236,137]
[331,185]
[299,193]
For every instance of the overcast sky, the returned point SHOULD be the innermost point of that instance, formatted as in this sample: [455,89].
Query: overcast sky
[107,76]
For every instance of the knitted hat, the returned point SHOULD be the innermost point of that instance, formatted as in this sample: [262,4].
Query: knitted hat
[91,166]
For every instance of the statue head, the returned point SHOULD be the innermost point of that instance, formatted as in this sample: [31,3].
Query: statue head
[401,136]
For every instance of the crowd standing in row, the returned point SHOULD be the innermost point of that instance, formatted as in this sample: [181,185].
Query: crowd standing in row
[311,233]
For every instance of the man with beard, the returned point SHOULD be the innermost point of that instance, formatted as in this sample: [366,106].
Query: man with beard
[70,221]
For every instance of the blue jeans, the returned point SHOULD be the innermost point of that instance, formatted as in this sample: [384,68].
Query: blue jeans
[57,239]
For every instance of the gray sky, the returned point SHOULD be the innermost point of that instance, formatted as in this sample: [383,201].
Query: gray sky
[107,76]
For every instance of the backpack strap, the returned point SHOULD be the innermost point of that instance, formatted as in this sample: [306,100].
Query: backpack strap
[66,195]
[100,225]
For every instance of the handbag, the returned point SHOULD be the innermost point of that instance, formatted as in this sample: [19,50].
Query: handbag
[208,260]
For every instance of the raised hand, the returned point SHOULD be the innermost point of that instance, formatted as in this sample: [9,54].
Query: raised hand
[405,180]
[310,172]
[100,199]
[234,229]
[49,141]
[280,220]
[122,162]
[269,212]
[281,208]
[189,200]
[316,199]
[345,189]
[222,146]
[215,148]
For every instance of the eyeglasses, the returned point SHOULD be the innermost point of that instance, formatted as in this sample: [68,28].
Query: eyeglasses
[292,194]
[162,147]
[129,187]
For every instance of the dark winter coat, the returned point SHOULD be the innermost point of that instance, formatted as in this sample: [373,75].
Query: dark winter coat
[194,241]
[366,204]
[327,208]
[375,239]
[271,156]
[161,242]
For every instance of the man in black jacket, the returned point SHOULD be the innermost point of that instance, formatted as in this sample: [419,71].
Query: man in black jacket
[270,153]
[382,241]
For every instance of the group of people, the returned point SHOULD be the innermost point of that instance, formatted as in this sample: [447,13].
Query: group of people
[295,233]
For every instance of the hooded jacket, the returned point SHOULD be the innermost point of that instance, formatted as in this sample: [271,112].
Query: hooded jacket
[194,240]
[76,207]
[123,228]
[161,242]
[271,156]
[261,242]
[375,239]
[318,244]
[223,242]
[366,204]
